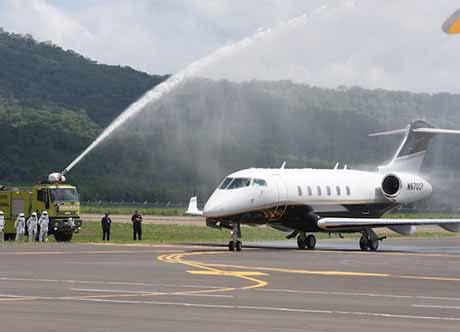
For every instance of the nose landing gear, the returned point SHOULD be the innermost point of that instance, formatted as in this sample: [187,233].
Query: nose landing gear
[235,243]
[304,241]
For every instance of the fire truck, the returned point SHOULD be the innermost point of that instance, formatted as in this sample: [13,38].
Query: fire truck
[59,199]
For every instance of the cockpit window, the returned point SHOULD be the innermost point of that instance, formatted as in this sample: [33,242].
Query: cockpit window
[225,183]
[259,182]
[239,183]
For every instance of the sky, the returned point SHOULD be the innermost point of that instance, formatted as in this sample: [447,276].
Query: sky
[391,44]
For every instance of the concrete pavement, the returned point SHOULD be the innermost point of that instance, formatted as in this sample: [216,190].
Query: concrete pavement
[411,284]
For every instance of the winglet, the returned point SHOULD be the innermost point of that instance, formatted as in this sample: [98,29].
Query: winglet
[193,207]
[283,165]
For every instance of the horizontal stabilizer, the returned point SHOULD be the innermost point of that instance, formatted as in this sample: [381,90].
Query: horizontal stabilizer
[342,224]
[193,207]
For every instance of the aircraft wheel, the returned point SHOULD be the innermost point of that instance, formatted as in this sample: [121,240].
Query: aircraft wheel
[301,242]
[231,246]
[238,246]
[311,241]
[364,243]
[373,245]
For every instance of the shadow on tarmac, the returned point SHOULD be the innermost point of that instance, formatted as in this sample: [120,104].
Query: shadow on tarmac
[420,246]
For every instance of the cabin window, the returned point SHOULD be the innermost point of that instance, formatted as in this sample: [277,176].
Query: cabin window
[318,189]
[239,183]
[299,190]
[309,191]
[259,182]
[347,188]
[328,189]
[338,190]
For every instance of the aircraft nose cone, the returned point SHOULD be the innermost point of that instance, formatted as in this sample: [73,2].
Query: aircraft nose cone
[211,209]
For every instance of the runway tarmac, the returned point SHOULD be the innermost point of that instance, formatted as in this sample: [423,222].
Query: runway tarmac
[409,285]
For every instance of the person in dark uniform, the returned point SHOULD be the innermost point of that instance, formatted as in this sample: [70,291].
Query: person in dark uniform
[38,226]
[105,223]
[136,219]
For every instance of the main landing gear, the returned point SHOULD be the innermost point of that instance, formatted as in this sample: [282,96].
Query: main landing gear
[235,243]
[304,241]
[369,240]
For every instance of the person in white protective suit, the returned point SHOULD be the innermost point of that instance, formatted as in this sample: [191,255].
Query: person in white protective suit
[20,225]
[2,226]
[43,222]
[32,226]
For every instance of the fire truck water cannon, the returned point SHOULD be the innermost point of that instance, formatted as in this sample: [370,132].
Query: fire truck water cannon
[56,178]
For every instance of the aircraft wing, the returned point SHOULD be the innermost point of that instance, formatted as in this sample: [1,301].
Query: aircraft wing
[344,224]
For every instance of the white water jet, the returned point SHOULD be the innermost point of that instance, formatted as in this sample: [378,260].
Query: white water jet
[171,83]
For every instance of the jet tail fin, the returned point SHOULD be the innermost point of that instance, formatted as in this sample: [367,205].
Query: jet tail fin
[411,152]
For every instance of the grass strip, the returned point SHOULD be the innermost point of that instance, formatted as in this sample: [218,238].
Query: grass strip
[122,233]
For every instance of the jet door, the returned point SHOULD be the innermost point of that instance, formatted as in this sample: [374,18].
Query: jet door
[282,195]
[281,187]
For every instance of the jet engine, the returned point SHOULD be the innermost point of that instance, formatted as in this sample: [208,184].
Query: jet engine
[404,188]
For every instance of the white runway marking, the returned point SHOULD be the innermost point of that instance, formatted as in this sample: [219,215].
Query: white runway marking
[106,283]
[279,309]
[202,295]
[241,307]
[158,285]
[124,291]
[360,294]
[110,291]
[435,306]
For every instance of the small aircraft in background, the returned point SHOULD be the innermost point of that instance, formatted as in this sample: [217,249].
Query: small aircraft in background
[452,25]
[307,201]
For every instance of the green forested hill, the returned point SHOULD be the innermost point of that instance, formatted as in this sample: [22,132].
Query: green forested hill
[32,140]
[36,74]
[53,103]
[187,142]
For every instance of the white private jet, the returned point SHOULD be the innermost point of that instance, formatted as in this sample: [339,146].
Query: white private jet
[305,201]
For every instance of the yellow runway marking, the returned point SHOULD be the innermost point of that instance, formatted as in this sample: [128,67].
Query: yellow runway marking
[313,272]
[207,269]
[378,253]
[339,273]
[248,272]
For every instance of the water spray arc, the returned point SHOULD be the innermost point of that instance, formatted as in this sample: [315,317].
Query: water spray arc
[174,81]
